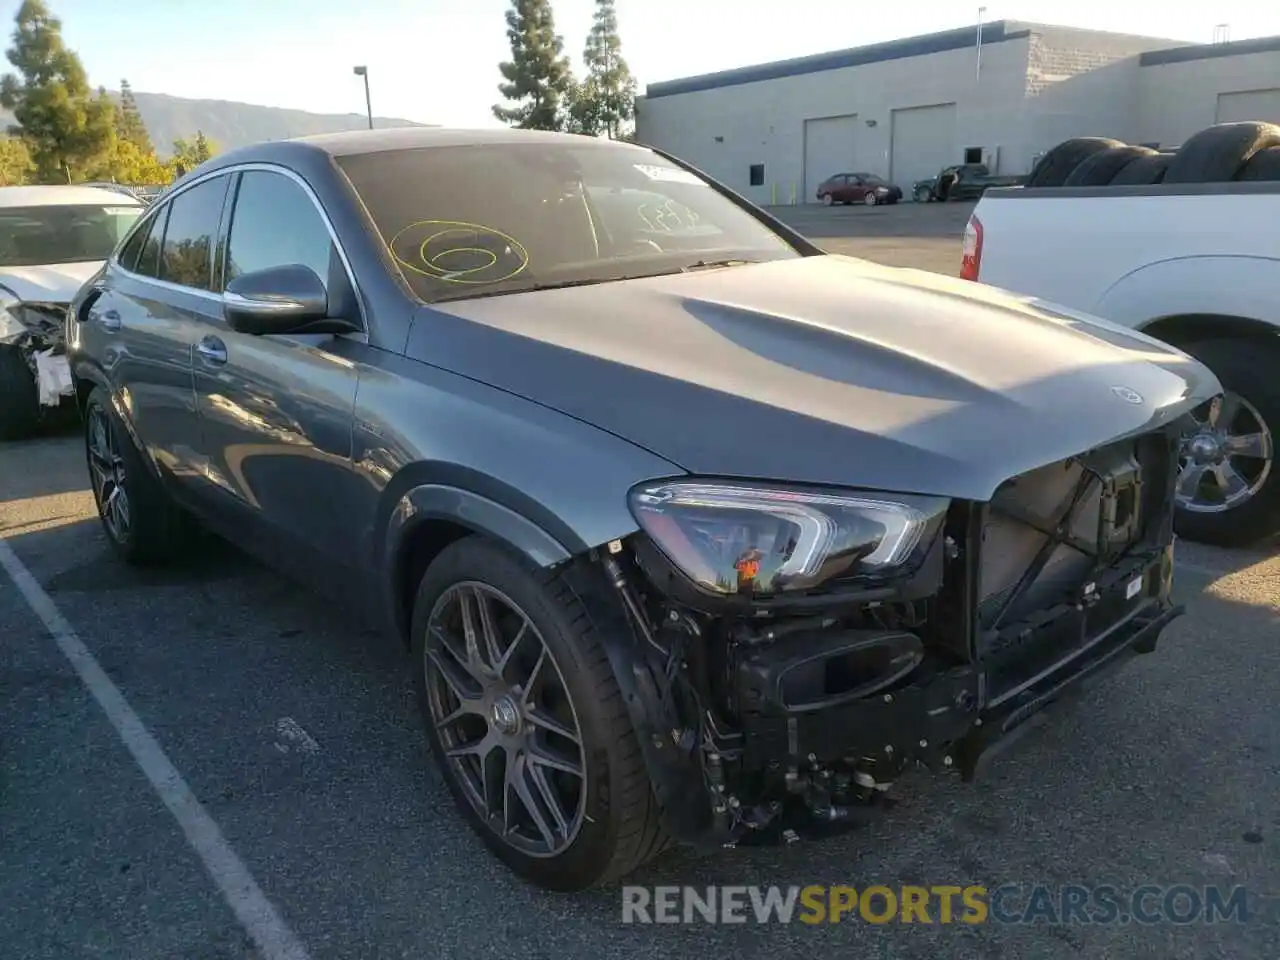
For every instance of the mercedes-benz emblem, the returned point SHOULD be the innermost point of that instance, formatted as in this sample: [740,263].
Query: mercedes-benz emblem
[1126,394]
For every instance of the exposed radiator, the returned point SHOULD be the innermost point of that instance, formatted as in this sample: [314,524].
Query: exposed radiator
[1107,520]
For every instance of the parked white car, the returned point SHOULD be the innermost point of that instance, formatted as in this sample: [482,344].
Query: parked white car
[52,239]
[1196,265]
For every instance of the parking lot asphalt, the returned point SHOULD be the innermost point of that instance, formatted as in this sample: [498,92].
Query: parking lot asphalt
[294,730]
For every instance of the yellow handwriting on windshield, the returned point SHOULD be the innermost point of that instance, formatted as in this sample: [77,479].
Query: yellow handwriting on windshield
[454,251]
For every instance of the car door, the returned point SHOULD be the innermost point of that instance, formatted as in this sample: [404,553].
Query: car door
[276,412]
[150,301]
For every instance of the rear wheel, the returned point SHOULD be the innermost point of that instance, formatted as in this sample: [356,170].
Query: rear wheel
[922,194]
[526,720]
[827,200]
[1228,485]
[19,396]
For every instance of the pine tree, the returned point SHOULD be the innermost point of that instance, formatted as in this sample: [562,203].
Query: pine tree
[606,98]
[538,79]
[187,155]
[66,127]
[129,123]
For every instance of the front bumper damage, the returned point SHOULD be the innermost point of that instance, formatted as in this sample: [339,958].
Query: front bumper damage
[37,332]
[787,724]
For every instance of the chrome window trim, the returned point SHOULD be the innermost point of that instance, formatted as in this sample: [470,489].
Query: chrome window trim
[260,166]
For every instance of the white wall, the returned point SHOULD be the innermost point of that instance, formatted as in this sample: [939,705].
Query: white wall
[1176,100]
[1080,84]
[763,122]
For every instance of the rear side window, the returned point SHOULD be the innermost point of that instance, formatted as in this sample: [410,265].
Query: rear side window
[129,254]
[148,264]
[195,215]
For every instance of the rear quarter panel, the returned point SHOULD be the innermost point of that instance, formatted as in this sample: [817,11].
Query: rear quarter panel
[1135,254]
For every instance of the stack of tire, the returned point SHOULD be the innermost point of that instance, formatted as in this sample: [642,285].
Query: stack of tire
[1226,152]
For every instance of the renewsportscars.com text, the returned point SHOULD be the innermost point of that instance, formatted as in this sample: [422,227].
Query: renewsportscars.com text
[942,904]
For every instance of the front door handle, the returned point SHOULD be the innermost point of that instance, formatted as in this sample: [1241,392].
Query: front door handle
[212,350]
[107,319]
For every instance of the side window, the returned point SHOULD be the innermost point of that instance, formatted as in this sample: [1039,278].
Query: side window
[148,264]
[129,253]
[276,224]
[194,215]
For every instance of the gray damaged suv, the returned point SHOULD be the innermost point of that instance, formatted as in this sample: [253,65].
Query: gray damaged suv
[695,532]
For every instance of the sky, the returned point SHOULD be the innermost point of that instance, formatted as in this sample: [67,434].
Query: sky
[435,61]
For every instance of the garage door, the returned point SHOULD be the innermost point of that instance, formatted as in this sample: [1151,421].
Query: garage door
[1249,105]
[922,142]
[828,149]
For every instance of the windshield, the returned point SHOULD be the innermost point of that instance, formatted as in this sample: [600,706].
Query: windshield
[501,218]
[41,236]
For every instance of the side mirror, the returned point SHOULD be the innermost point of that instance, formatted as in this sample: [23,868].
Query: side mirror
[288,299]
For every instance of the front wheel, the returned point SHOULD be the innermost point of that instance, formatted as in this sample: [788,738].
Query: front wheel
[526,721]
[870,200]
[1228,485]
[922,195]
[827,200]
[142,523]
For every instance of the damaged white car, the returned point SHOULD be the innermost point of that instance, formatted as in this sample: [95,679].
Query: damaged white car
[52,239]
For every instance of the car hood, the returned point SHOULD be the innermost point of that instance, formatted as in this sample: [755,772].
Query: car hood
[823,369]
[56,283]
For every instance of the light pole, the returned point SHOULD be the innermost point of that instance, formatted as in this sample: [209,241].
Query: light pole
[368,105]
[981,12]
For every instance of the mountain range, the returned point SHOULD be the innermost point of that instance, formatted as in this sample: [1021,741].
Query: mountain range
[231,125]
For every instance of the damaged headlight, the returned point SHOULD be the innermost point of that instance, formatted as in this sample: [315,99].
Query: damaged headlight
[731,537]
[11,327]
[23,322]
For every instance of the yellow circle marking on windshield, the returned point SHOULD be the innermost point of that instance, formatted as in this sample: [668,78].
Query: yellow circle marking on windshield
[451,240]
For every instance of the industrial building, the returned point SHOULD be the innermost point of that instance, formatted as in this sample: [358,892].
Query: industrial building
[1001,93]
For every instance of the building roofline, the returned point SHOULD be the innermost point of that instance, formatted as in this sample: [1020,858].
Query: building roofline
[997,31]
[1207,51]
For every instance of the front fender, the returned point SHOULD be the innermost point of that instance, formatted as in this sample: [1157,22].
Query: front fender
[1222,286]
[440,501]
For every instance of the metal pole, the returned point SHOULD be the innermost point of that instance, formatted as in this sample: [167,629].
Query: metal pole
[368,104]
[981,11]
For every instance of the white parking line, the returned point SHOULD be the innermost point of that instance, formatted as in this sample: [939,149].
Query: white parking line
[270,933]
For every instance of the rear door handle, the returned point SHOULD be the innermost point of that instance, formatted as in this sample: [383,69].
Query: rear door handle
[212,351]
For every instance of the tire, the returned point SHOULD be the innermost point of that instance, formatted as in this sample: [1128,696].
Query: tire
[826,199]
[155,529]
[1216,154]
[1055,166]
[923,195]
[619,825]
[869,199]
[1263,165]
[1143,171]
[1101,168]
[20,413]
[1245,368]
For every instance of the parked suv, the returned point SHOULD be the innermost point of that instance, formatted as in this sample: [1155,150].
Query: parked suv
[51,240]
[694,531]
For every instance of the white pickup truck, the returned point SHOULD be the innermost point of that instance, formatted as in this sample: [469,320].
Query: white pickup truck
[1196,265]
